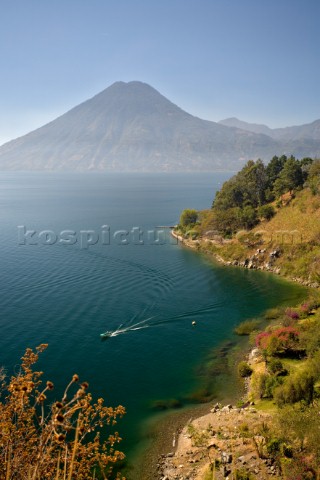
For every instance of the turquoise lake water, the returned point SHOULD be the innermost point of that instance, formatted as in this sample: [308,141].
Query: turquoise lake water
[66,295]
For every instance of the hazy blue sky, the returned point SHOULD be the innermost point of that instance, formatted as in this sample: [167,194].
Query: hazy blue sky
[257,60]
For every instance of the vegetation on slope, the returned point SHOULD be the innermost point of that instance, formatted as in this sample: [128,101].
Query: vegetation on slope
[268,217]
[265,217]
[284,372]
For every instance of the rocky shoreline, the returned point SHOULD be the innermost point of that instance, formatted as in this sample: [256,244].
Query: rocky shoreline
[260,260]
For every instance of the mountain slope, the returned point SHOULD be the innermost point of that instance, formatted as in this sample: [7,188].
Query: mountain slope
[132,127]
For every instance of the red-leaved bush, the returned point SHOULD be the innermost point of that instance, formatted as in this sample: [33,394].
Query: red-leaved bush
[281,339]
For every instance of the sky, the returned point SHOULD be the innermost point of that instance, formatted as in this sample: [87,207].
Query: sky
[257,60]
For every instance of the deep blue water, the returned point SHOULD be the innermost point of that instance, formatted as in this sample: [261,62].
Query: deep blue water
[66,295]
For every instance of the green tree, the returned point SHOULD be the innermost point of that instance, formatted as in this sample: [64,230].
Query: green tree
[188,217]
[231,195]
[266,212]
[254,180]
[248,217]
[290,177]
[274,169]
[245,188]
[313,180]
[227,221]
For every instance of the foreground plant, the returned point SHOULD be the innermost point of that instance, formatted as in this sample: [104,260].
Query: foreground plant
[57,442]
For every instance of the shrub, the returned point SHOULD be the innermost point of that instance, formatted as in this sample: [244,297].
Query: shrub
[275,366]
[279,340]
[295,389]
[188,217]
[291,313]
[259,384]
[61,440]
[243,474]
[273,313]
[244,430]
[246,327]
[244,369]
[273,446]
[266,212]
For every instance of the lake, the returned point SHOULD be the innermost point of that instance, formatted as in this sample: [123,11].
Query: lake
[81,255]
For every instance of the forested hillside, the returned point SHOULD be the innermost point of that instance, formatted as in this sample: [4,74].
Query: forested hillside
[265,217]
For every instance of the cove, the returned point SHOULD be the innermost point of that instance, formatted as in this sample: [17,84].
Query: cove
[67,296]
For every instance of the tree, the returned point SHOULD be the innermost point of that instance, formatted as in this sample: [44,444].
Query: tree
[227,221]
[314,177]
[188,217]
[231,195]
[248,217]
[266,212]
[254,179]
[274,169]
[290,177]
[245,188]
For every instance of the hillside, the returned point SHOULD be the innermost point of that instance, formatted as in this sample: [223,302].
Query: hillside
[132,127]
[271,229]
[274,431]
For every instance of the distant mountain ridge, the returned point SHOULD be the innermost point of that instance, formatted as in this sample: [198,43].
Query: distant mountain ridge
[132,127]
[306,131]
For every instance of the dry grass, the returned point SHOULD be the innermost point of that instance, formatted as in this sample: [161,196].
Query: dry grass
[301,214]
[56,442]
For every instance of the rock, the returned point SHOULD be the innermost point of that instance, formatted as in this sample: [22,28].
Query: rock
[241,459]
[212,445]
[226,457]
[170,455]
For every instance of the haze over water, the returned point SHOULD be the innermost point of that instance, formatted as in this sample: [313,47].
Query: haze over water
[66,296]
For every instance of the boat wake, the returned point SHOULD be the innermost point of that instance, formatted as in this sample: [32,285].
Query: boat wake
[155,321]
[120,330]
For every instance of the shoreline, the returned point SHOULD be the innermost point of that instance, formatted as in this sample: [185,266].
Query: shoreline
[166,429]
[249,265]
[183,459]
[166,432]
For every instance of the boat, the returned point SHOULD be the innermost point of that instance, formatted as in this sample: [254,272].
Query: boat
[136,326]
[110,333]
[106,334]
